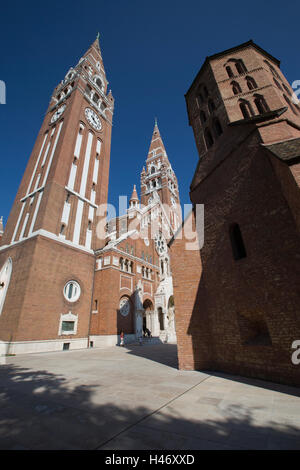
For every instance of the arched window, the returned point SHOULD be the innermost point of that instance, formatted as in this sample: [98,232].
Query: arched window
[211,105]
[236,88]
[95,98]
[88,90]
[251,83]
[5,275]
[153,170]
[202,117]
[287,89]
[208,138]
[295,111]
[246,109]
[237,243]
[99,83]
[229,71]
[218,127]
[200,99]
[277,84]
[261,104]
[272,69]
[240,66]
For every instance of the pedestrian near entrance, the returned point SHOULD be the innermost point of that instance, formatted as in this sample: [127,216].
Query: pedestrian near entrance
[122,338]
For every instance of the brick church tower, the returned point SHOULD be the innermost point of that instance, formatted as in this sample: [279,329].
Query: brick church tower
[237,300]
[47,249]
[159,179]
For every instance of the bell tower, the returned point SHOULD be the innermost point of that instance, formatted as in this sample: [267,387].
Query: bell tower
[50,235]
[159,180]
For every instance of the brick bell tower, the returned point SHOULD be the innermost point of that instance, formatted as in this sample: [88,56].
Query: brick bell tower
[159,180]
[245,280]
[47,249]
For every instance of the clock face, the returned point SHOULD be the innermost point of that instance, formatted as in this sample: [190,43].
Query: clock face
[124,307]
[93,119]
[58,113]
[160,243]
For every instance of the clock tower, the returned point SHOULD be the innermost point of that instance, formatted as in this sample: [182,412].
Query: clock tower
[47,249]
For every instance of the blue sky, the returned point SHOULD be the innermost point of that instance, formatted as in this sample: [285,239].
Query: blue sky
[152,51]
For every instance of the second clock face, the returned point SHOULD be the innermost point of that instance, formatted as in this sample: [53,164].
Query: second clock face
[93,119]
[58,113]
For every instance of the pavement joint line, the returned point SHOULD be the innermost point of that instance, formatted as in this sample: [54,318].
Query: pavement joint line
[188,435]
[152,413]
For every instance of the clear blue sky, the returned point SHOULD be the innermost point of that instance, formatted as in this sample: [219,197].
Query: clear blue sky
[152,51]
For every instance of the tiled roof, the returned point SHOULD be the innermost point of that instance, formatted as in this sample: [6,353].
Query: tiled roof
[287,150]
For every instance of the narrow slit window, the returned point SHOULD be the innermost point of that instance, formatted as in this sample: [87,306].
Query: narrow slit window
[237,242]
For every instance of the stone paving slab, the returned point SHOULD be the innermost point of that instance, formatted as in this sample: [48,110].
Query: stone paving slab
[136,398]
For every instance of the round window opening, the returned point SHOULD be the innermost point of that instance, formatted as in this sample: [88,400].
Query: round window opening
[72,291]
[124,306]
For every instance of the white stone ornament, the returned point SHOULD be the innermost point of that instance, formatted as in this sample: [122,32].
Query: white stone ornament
[58,113]
[93,119]
[124,307]
[160,243]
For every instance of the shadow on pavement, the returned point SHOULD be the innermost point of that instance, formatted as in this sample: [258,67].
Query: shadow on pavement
[41,410]
[162,353]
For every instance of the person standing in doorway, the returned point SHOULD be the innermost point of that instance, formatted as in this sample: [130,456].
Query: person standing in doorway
[122,338]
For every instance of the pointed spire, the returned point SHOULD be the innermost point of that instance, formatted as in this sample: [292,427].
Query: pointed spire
[95,45]
[134,196]
[156,142]
[134,201]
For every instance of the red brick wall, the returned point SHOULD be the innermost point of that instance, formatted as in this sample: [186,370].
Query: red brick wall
[35,300]
[243,314]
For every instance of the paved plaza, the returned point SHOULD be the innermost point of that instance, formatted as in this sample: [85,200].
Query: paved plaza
[136,398]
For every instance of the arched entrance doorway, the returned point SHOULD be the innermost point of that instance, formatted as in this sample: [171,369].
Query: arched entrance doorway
[148,317]
[161,319]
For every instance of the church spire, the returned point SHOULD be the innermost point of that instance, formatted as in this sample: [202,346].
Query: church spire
[134,200]
[95,46]
[134,196]
[156,145]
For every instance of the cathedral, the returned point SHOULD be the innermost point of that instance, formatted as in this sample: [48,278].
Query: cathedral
[70,278]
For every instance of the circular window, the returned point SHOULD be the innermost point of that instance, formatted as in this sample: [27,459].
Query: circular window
[160,243]
[124,306]
[72,291]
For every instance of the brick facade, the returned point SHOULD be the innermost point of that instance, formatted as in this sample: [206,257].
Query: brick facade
[63,281]
[243,314]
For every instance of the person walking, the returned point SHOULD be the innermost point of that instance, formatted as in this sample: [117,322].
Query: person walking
[122,338]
